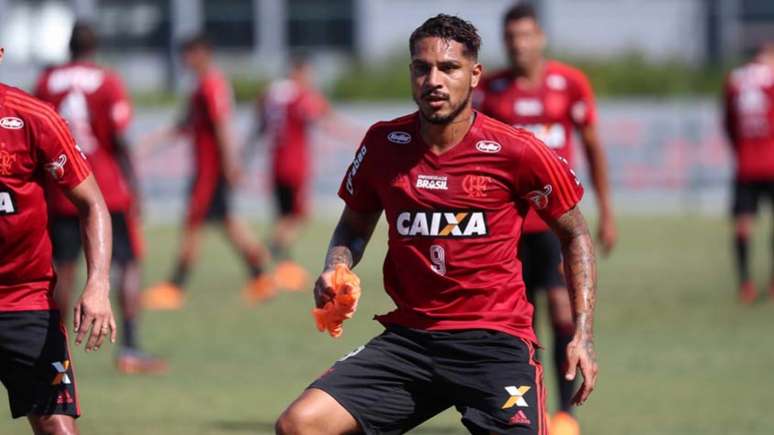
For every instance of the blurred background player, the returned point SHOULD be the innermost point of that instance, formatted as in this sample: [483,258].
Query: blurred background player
[35,362]
[93,101]
[749,123]
[216,173]
[285,114]
[550,99]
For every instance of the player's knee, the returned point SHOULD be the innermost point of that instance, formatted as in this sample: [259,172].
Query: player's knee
[297,420]
[53,425]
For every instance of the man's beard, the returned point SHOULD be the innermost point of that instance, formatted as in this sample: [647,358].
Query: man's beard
[442,120]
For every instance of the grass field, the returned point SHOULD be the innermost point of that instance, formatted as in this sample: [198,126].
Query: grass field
[677,355]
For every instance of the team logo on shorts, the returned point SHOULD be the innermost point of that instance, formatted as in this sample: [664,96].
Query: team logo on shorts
[56,168]
[516,396]
[61,368]
[488,146]
[457,223]
[400,137]
[11,123]
[539,198]
[520,418]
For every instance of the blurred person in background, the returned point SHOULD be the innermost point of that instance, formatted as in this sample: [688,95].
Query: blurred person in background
[550,99]
[93,101]
[749,123]
[285,115]
[217,171]
[35,361]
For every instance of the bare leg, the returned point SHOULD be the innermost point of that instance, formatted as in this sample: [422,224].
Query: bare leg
[189,251]
[743,224]
[53,425]
[253,252]
[286,232]
[316,413]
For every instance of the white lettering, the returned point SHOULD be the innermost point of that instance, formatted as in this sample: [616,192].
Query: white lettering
[6,203]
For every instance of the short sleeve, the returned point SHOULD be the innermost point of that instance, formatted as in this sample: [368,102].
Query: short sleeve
[62,160]
[583,109]
[217,99]
[545,181]
[119,103]
[357,190]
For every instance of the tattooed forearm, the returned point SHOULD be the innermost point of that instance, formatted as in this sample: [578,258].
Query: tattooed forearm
[580,268]
[350,238]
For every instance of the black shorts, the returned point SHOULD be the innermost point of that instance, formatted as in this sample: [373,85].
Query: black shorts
[35,364]
[747,195]
[541,261]
[290,199]
[209,201]
[65,234]
[405,376]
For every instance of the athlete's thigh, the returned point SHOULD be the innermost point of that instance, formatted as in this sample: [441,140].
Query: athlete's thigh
[495,381]
[387,385]
[36,366]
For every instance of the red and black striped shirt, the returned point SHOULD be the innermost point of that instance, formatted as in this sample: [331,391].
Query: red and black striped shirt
[455,220]
[34,143]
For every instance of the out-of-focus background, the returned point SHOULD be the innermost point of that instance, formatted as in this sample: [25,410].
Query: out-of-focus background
[678,355]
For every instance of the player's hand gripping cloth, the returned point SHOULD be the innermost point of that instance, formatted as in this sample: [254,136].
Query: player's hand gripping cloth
[346,293]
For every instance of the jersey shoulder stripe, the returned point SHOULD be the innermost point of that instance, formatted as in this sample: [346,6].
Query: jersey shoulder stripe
[557,174]
[47,115]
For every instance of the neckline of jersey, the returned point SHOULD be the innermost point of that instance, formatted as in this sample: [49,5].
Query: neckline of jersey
[467,140]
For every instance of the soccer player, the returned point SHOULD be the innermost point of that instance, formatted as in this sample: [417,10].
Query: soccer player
[217,172]
[749,123]
[551,100]
[455,186]
[35,363]
[93,101]
[285,114]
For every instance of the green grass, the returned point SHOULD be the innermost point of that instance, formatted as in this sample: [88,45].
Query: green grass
[677,354]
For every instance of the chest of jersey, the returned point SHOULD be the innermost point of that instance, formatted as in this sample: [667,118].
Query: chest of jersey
[459,194]
[17,163]
[545,110]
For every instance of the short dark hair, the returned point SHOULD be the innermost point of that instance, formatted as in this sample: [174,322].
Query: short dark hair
[448,27]
[196,41]
[83,39]
[519,11]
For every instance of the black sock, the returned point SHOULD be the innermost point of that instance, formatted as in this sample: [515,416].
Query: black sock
[130,334]
[741,245]
[566,388]
[180,275]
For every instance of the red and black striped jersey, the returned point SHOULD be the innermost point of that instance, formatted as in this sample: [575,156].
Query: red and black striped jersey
[749,120]
[35,143]
[93,101]
[561,102]
[455,220]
